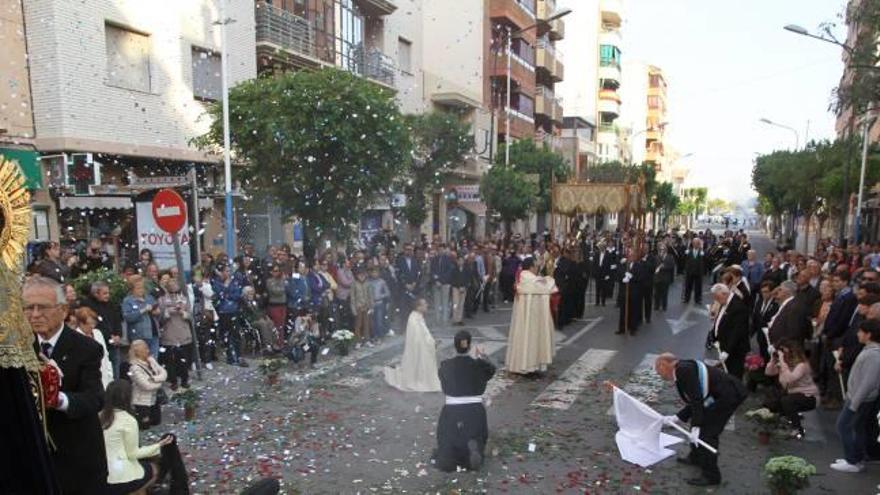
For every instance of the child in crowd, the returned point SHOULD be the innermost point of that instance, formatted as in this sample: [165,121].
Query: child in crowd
[380,294]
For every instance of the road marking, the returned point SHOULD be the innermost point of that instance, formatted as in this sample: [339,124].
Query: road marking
[582,331]
[684,322]
[349,360]
[490,332]
[563,392]
[643,384]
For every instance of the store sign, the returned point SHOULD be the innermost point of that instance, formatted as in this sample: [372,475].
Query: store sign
[151,237]
[469,193]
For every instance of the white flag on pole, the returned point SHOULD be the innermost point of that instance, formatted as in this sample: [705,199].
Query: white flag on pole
[639,438]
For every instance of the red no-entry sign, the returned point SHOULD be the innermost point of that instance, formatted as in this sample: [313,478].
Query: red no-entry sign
[169,211]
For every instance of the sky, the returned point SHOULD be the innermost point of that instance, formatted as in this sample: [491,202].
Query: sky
[729,64]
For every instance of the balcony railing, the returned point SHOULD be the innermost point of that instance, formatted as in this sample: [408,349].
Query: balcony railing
[294,34]
[519,114]
[528,6]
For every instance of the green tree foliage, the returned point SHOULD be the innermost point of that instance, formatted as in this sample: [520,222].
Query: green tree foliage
[441,142]
[665,201]
[612,172]
[528,158]
[324,145]
[508,192]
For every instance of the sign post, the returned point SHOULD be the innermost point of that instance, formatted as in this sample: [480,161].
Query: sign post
[169,213]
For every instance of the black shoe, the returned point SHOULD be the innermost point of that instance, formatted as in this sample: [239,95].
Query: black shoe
[687,461]
[701,481]
[474,456]
[242,364]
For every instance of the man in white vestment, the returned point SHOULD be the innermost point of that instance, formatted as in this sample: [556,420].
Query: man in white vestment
[530,347]
[418,367]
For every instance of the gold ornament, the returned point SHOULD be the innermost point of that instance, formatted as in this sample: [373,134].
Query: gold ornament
[15,220]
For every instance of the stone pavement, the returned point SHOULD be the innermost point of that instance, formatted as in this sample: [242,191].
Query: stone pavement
[340,429]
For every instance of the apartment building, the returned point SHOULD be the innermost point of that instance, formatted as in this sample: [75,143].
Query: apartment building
[119,89]
[645,114]
[609,101]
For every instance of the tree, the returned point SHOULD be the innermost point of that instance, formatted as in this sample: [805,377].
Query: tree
[324,145]
[665,202]
[441,141]
[528,158]
[508,192]
[862,89]
[718,206]
[612,172]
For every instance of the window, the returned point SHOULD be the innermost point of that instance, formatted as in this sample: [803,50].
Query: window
[207,82]
[128,58]
[40,224]
[350,41]
[404,55]
[609,55]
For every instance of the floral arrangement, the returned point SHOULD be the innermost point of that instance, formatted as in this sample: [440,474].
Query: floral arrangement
[763,417]
[189,399]
[271,366]
[118,287]
[754,362]
[342,340]
[788,474]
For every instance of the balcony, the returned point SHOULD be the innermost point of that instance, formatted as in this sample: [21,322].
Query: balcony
[653,135]
[612,12]
[545,59]
[558,114]
[557,29]
[610,72]
[611,38]
[559,70]
[522,73]
[521,125]
[653,156]
[544,100]
[609,102]
[520,13]
[377,8]
[286,41]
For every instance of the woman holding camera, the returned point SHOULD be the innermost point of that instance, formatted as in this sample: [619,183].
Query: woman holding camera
[798,393]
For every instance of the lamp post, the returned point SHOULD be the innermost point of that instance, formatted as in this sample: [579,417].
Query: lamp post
[509,46]
[851,126]
[227,166]
[797,136]
[866,127]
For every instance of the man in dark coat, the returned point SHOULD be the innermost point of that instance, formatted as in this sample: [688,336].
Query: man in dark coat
[629,300]
[763,312]
[604,267]
[791,321]
[694,268]
[646,267]
[711,397]
[79,457]
[109,320]
[463,429]
[731,329]
[663,277]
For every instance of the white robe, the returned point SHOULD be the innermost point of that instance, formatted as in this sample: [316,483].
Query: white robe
[418,367]
[530,345]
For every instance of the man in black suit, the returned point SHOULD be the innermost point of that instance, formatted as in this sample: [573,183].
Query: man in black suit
[605,264]
[791,321]
[731,329]
[79,457]
[711,397]
[409,272]
[763,312]
[694,268]
[647,266]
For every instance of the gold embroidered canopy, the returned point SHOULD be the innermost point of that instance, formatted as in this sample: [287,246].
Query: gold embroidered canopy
[593,198]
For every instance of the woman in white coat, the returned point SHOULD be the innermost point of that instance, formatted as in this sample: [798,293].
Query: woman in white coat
[147,377]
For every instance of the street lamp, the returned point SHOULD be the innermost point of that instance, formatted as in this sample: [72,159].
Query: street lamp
[797,137]
[866,127]
[509,43]
[849,50]
[227,166]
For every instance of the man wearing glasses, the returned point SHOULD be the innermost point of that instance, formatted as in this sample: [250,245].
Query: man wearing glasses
[79,455]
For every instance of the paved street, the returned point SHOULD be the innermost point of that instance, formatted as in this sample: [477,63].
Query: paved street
[340,429]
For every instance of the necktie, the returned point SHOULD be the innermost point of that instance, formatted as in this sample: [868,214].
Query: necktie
[47,349]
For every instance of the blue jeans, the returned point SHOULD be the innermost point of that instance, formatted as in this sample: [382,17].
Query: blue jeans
[377,325]
[853,430]
[153,344]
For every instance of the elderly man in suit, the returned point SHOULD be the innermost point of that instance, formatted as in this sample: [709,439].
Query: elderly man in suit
[79,456]
[731,329]
[791,321]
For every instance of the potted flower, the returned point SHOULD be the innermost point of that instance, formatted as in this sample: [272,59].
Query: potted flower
[755,370]
[342,341]
[787,474]
[190,401]
[766,421]
[270,368]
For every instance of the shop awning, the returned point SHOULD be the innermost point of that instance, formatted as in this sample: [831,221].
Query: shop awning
[478,209]
[30,166]
[95,202]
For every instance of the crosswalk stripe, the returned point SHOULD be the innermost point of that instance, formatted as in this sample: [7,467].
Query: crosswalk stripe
[563,392]
[643,383]
[582,331]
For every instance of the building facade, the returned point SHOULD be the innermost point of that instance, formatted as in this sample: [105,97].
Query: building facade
[609,145]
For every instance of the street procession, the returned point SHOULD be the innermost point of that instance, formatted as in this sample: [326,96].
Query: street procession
[262,247]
